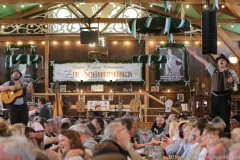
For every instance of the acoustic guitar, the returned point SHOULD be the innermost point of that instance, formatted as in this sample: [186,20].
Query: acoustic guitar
[9,96]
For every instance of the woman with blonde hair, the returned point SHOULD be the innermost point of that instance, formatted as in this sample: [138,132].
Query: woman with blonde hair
[20,127]
[173,130]
[4,130]
[171,146]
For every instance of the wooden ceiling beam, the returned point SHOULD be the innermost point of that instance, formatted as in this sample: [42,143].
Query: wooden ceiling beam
[100,10]
[5,21]
[118,37]
[233,7]
[173,8]
[226,11]
[109,1]
[32,11]
[79,10]
[16,8]
[227,40]
[198,8]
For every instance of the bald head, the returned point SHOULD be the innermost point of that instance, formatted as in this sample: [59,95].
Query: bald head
[172,117]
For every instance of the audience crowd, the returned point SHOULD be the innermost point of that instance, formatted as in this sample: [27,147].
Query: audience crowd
[62,138]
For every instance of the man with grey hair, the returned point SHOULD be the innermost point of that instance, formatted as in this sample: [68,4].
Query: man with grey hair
[219,148]
[158,124]
[234,152]
[218,122]
[233,124]
[55,123]
[118,136]
[85,136]
[194,149]
[129,125]
[16,148]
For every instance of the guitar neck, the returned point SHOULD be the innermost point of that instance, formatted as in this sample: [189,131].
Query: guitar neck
[23,87]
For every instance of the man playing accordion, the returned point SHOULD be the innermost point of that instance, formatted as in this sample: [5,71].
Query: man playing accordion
[221,92]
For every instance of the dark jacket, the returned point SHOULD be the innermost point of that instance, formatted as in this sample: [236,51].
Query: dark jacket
[120,149]
[45,112]
[157,130]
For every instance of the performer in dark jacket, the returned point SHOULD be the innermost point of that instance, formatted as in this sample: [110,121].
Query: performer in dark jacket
[220,102]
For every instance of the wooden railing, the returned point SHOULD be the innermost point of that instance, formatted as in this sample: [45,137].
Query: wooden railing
[144,106]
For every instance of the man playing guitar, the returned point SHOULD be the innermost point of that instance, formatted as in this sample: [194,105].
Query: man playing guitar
[18,109]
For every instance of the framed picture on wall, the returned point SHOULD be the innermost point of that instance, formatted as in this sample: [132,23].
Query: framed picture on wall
[82,98]
[154,88]
[175,68]
[162,98]
[97,88]
[63,88]
[180,97]
[110,97]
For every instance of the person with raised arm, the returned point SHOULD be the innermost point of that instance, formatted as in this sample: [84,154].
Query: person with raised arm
[220,101]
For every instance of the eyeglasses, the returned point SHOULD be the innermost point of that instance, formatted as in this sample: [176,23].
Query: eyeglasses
[122,129]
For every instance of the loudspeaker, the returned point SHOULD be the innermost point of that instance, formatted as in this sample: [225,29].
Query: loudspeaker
[213,32]
[87,37]
[209,32]
[205,32]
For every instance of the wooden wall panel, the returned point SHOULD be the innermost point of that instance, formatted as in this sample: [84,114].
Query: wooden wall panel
[120,50]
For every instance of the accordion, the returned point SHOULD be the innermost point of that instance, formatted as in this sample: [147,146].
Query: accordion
[220,84]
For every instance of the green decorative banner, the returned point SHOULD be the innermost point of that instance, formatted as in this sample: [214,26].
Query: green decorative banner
[157,25]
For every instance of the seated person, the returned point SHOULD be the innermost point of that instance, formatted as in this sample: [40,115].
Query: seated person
[96,113]
[158,125]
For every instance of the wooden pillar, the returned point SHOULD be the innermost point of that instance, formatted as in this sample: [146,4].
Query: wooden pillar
[146,98]
[46,63]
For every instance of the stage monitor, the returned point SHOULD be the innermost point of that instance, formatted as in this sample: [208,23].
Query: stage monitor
[87,37]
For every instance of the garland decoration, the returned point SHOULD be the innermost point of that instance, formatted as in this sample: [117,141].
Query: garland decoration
[157,25]
[51,68]
[149,59]
[28,59]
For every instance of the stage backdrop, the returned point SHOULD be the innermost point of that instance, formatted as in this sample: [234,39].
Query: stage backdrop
[97,72]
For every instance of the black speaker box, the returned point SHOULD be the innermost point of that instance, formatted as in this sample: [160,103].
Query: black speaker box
[213,32]
[209,32]
[87,37]
[205,32]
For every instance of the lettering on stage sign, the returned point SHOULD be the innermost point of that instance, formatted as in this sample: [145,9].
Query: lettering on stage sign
[97,72]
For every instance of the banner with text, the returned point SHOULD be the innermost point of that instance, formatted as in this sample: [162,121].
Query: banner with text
[97,72]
